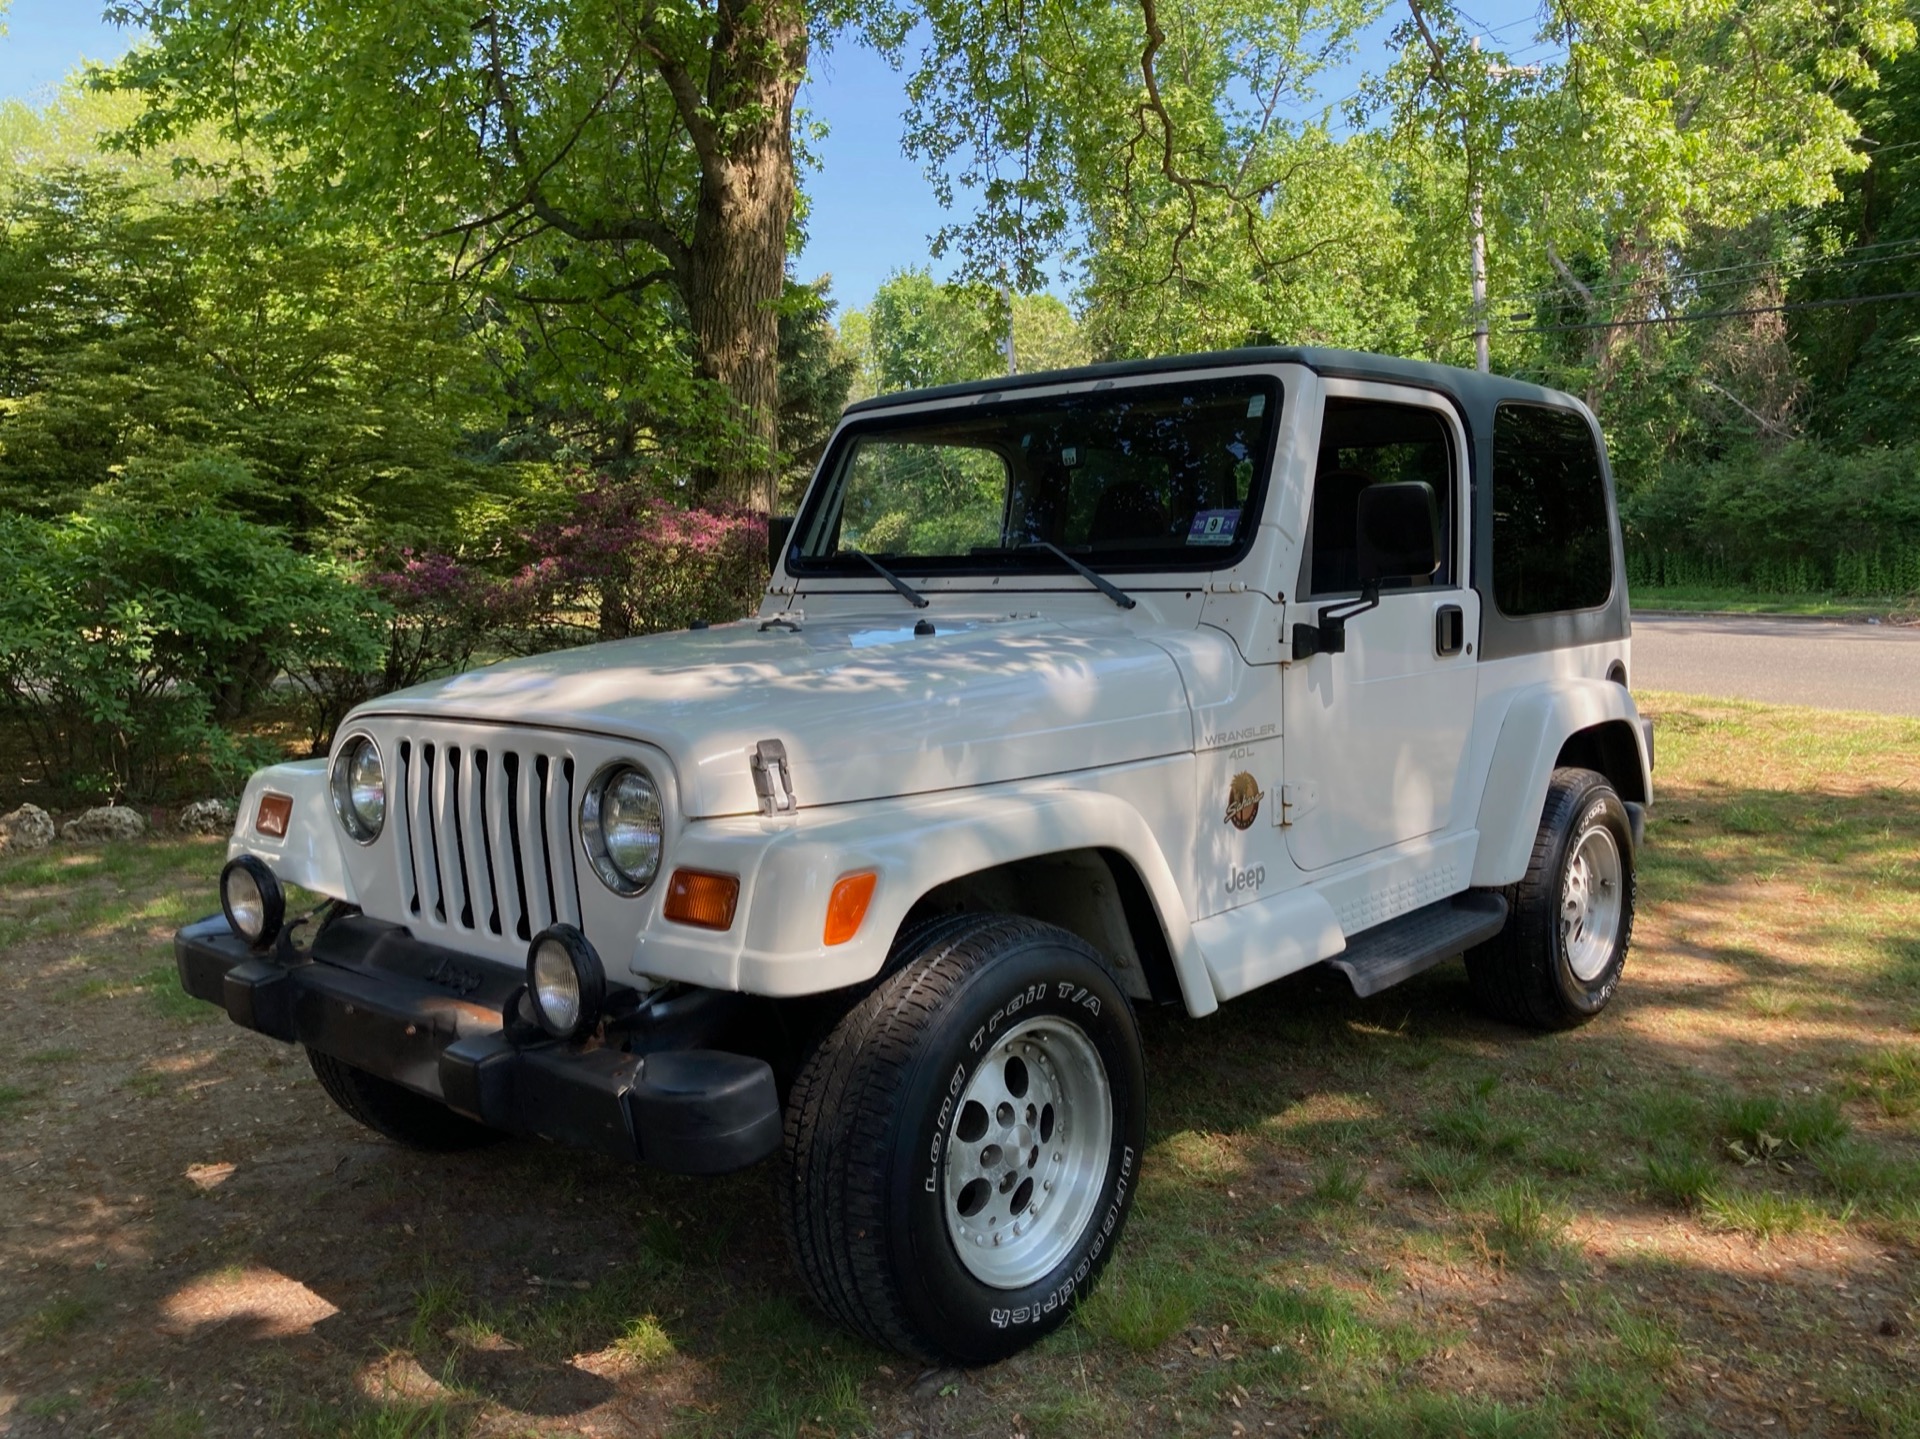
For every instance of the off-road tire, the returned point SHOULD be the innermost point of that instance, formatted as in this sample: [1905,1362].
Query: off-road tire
[390,1109]
[1523,974]
[863,1191]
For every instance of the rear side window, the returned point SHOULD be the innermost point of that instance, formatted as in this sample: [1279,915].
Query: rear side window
[1550,549]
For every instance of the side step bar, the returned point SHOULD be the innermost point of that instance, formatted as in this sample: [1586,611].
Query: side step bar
[1401,948]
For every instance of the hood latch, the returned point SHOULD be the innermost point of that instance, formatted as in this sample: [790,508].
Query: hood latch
[773,779]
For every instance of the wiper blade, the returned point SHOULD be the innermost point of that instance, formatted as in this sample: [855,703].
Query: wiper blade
[913,596]
[1092,576]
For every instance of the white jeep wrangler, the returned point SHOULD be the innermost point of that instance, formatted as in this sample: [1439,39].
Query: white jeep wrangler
[1149,682]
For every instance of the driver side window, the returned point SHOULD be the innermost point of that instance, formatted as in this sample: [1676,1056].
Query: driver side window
[1365,443]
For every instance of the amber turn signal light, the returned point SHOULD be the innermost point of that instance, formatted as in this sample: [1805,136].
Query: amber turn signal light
[698,898]
[847,906]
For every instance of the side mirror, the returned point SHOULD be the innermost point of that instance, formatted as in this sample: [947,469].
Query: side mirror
[1398,532]
[1398,538]
[779,531]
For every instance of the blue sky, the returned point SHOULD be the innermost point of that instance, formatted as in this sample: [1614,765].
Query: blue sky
[872,208]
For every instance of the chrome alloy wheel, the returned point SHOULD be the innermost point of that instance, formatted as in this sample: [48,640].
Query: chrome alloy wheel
[1590,903]
[1026,1153]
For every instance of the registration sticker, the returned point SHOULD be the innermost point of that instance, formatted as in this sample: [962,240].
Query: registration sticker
[1213,527]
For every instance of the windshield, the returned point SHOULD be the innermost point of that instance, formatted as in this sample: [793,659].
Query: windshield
[1145,477]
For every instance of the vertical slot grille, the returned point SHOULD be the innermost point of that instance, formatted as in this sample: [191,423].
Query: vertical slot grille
[484,840]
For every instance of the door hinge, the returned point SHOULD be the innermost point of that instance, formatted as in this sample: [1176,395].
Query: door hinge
[1296,799]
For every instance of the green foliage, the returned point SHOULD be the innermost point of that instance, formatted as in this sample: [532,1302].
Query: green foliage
[918,333]
[816,372]
[610,189]
[129,632]
[1801,518]
[139,329]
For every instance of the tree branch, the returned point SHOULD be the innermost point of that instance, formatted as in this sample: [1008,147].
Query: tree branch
[701,130]
[665,275]
[1568,278]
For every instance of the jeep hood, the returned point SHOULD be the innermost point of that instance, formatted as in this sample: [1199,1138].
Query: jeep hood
[865,708]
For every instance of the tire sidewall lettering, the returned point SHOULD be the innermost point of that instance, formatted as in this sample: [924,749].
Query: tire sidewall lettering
[1064,1292]
[1031,984]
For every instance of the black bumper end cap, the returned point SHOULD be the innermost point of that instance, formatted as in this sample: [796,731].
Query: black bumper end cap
[476,1076]
[703,1111]
[259,995]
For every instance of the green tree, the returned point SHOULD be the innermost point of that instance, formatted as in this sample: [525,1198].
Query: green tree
[618,179]
[816,372]
[137,331]
[1862,361]
[919,332]
[1157,148]
[1046,336]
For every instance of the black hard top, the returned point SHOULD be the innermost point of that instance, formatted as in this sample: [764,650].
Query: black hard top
[1470,388]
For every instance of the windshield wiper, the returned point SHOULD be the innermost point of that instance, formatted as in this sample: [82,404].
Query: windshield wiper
[1092,576]
[913,596]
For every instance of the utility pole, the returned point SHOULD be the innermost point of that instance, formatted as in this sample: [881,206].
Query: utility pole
[1013,360]
[1477,219]
[1481,359]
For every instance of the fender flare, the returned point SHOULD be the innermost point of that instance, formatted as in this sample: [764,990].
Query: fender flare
[916,846]
[1539,720]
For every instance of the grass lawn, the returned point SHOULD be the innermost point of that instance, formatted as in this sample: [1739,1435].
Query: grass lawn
[1709,599]
[1700,1214]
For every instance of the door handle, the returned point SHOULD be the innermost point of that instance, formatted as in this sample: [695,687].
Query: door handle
[1449,630]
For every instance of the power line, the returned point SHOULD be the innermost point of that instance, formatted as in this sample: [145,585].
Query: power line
[1722,314]
[1852,258]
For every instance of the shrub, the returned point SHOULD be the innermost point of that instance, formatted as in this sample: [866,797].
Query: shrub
[625,562]
[1799,519]
[432,613]
[131,635]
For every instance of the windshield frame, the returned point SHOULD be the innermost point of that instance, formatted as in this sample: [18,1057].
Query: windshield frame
[833,468]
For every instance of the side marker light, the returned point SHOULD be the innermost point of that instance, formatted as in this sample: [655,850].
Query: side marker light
[847,906]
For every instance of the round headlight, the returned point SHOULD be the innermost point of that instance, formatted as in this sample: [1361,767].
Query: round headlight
[620,828]
[360,789]
[564,981]
[253,901]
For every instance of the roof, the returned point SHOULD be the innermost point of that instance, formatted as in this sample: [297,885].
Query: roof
[1471,388]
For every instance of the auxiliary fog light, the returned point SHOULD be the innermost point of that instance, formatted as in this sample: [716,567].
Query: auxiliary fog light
[565,982]
[254,903]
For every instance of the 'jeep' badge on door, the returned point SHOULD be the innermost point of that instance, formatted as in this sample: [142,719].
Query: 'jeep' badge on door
[1243,801]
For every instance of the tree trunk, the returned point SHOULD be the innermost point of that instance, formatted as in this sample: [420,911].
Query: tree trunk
[737,264]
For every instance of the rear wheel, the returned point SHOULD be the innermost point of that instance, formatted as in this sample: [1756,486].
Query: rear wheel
[401,1115]
[963,1149]
[1559,960]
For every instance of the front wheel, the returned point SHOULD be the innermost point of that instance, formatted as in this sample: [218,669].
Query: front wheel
[1559,960]
[963,1149]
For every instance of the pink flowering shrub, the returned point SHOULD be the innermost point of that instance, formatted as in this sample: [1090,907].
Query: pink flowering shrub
[624,562]
[619,561]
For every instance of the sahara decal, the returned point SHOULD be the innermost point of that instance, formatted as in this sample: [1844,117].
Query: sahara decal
[1243,801]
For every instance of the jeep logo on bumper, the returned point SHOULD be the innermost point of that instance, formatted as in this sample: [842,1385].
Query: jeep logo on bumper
[456,977]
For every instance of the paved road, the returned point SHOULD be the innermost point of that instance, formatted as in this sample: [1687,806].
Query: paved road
[1798,662]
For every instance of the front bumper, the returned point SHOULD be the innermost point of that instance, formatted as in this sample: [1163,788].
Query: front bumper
[431,1019]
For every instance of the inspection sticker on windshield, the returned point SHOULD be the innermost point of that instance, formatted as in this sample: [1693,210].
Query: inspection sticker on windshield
[1213,527]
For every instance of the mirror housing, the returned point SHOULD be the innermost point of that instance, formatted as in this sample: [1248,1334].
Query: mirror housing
[779,531]
[1398,532]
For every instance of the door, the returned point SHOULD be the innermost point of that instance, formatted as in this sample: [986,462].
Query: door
[1376,737]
